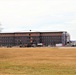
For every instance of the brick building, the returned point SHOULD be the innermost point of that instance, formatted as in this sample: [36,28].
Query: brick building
[47,38]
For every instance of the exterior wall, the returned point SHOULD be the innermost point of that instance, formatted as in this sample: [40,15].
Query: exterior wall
[51,38]
[47,38]
[6,39]
[65,38]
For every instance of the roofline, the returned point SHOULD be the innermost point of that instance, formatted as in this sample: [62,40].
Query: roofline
[33,32]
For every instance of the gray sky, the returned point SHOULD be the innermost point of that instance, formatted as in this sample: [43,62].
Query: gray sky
[37,15]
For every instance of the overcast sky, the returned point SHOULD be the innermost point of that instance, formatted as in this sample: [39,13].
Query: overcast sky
[37,15]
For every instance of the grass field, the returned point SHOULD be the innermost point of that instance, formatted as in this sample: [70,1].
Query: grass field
[38,61]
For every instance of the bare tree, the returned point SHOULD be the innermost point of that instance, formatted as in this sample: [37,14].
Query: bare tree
[0,28]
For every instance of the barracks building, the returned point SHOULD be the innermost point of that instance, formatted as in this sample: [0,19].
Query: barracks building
[24,38]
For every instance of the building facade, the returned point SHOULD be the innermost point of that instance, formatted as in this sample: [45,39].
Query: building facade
[47,38]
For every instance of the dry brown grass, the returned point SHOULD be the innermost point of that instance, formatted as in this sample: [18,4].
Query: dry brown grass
[38,61]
